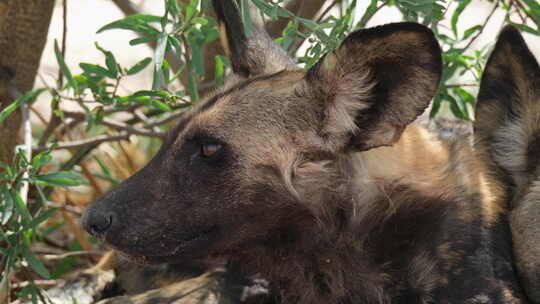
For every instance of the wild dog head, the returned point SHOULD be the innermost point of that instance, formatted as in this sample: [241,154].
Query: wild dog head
[507,131]
[248,167]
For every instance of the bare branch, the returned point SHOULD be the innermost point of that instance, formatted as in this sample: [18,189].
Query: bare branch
[85,142]
[64,207]
[52,257]
[79,116]
[482,27]
[131,129]
[170,117]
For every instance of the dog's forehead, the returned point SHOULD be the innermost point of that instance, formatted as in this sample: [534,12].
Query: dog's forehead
[250,106]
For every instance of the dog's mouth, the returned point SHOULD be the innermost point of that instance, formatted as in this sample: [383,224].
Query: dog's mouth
[190,246]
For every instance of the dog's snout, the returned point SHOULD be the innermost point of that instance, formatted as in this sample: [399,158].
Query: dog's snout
[97,223]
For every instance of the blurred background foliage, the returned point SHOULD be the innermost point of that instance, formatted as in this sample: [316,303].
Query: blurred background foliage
[97,135]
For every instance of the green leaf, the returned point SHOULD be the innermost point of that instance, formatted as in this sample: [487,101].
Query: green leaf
[191,10]
[35,264]
[60,178]
[370,11]
[534,5]
[141,40]
[176,44]
[40,160]
[465,96]
[110,61]
[197,60]
[158,60]
[139,66]
[312,25]
[43,217]
[471,31]
[173,7]
[106,173]
[10,109]
[160,94]
[160,105]
[246,17]
[21,206]
[138,23]
[165,69]
[526,28]
[219,71]
[28,97]
[458,111]
[63,67]
[8,207]
[192,85]
[199,20]
[94,70]
[147,98]
[455,16]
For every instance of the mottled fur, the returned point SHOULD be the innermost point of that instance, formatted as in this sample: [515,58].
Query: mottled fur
[507,131]
[324,184]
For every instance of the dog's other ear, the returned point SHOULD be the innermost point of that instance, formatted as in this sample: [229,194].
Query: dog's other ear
[508,109]
[251,54]
[376,83]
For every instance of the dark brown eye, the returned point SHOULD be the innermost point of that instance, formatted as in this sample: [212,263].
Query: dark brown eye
[209,150]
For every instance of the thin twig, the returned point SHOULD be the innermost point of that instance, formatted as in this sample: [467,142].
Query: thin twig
[524,10]
[52,257]
[131,129]
[118,125]
[67,208]
[38,115]
[483,26]
[166,119]
[459,85]
[64,35]
[85,142]
[39,283]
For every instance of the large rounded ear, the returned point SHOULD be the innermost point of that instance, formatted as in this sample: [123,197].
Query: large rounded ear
[376,83]
[507,133]
[508,108]
[252,53]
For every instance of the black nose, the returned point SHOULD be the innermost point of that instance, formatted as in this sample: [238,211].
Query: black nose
[96,223]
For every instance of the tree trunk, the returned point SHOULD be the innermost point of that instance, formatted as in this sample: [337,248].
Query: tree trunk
[23,32]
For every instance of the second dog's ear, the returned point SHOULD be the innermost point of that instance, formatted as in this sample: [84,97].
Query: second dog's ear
[507,120]
[376,83]
[252,53]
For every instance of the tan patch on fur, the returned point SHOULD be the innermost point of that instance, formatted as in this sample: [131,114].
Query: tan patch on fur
[421,160]
[491,198]
[417,159]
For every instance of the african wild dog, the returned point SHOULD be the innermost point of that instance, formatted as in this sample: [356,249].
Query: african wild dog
[508,139]
[321,181]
